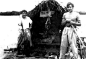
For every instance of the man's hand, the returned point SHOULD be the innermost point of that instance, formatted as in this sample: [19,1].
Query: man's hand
[19,25]
[75,23]
[68,21]
[72,22]
[30,27]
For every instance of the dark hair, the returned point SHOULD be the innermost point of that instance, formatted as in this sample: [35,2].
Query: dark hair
[23,11]
[69,3]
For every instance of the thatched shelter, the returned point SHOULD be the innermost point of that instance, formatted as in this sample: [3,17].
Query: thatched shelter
[41,34]
[46,34]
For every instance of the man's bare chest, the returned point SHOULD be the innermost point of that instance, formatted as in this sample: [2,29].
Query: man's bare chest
[70,17]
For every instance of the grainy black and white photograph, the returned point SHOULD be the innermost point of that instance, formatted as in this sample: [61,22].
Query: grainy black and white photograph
[42,29]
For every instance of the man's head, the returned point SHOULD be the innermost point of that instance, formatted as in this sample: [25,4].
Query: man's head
[70,6]
[24,13]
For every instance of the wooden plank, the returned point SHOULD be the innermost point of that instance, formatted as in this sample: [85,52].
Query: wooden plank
[46,13]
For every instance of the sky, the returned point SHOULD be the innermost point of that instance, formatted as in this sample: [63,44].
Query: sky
[18,5]
[8,24]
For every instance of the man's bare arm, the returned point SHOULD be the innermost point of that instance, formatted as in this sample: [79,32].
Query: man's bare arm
[63,20]
[75,23]
[30,24]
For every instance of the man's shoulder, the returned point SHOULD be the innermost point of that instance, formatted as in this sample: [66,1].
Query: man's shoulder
[20,16]
[66,13]
[28,18]
[76,13]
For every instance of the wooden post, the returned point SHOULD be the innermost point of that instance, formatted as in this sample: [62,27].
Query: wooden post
[48,15]
[48,22]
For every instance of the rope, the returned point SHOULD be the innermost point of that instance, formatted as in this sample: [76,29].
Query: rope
[78,36]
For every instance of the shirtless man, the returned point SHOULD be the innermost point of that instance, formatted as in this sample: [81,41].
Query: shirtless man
[70,19]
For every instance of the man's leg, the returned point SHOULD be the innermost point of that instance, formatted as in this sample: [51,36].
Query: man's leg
[64,44]
[72,40]
[74,47]
[19,44]
[29,37]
